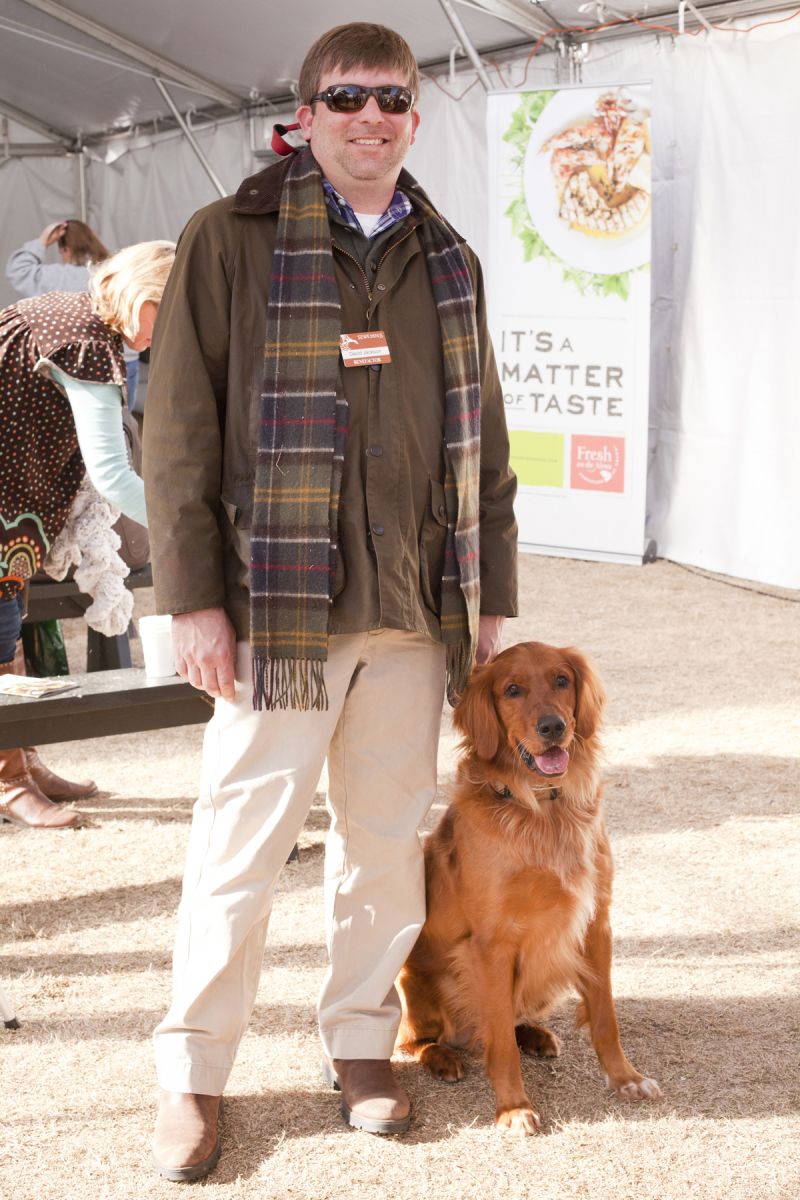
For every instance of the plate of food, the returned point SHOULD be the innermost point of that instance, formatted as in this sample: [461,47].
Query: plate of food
[588,180]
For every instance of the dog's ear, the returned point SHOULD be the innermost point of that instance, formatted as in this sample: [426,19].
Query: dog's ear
[590,694]
[475,715]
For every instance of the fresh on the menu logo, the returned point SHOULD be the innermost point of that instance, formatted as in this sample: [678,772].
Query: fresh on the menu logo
[598,463]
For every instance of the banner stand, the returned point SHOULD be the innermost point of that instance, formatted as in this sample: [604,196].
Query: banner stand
[569,306]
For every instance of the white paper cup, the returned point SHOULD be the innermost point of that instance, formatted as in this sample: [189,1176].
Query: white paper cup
[156,635]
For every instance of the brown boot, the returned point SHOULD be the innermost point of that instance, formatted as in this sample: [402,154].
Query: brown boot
[186,1142]
[371,1097]
[21,801]
[54,787]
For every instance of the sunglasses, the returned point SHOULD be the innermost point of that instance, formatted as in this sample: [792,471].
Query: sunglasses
[352,97]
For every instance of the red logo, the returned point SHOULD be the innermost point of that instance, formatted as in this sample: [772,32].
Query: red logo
[598,463]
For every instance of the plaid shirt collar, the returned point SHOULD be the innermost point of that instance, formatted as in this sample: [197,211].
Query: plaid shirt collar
[399,208]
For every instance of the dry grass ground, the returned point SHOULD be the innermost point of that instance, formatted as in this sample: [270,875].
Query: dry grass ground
[703,748]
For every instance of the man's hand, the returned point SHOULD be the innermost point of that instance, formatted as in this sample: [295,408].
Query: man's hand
[51,233]
[489,632]
[205,650]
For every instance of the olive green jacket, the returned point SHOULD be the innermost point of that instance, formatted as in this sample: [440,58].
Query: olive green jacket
[202,420]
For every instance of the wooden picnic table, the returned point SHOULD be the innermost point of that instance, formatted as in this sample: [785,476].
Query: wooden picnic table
[104,703]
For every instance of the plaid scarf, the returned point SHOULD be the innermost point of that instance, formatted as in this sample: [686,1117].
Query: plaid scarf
[302,437]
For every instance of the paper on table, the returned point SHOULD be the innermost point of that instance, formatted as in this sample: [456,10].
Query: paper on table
[34,687]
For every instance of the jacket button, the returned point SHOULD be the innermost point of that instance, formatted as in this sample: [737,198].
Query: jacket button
[381,287]
[442,511]
[375,366]
[375,451]
[377,530]
[253,191]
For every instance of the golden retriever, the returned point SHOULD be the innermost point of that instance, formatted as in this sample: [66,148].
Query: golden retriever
[518,878]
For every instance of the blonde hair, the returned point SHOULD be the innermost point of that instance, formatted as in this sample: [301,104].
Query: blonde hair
[121,285]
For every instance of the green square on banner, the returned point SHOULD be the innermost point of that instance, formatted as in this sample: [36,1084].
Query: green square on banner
[537,458]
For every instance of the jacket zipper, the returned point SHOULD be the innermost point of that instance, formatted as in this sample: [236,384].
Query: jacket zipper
[381,261]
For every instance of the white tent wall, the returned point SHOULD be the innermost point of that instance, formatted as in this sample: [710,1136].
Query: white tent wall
[729,430]
[723,489]
[151,192]
[33,192]
[725,426]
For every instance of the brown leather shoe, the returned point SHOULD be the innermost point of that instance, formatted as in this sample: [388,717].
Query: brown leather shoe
[372,1099]
[54,787]
[22,802]
[186,1142]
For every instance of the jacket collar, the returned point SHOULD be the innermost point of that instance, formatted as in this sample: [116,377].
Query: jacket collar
[261,194]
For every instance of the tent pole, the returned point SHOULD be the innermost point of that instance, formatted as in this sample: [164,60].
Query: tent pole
[84,207]
[57,136]
[463,37]
[191,139]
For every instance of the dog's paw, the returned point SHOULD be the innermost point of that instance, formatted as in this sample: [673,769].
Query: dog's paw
[523,1121]
[538,1041]
[442,1063]
[638,1089]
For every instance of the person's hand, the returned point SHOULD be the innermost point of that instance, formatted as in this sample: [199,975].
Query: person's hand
[51,233]
[205,650]
[489,632]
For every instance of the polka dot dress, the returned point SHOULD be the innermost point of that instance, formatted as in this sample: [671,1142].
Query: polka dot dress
[40,464]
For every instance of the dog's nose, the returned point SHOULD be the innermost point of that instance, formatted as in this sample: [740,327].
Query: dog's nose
[550,727]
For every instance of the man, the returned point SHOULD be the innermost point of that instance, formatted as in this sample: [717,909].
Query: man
[315,528]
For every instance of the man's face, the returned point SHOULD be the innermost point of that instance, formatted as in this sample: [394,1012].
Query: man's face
[362,147]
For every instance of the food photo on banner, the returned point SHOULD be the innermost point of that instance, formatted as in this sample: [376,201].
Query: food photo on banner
[569,302]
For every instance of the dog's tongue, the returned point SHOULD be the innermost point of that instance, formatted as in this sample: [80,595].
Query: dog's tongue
[553,762]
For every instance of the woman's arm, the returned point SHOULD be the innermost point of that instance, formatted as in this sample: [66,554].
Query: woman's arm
[30,276]
[97,411]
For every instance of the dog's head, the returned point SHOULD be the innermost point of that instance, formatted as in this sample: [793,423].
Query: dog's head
[535,708]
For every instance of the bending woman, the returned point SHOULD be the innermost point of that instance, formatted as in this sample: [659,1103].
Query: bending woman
[62,385]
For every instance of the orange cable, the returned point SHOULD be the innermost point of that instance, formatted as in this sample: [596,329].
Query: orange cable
[649,27]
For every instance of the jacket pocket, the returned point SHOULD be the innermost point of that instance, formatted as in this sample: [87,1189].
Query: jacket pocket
[340,577]
[237,504]
[431,548]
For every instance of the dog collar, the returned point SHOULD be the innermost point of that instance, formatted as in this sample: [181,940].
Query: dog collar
[506,793]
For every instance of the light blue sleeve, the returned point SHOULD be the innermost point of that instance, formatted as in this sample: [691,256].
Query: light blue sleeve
[29,275]
[97,410]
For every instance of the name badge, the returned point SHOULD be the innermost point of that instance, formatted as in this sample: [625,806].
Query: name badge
[364,349]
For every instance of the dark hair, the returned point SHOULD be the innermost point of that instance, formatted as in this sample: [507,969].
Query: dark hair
[83,244]
[359,44]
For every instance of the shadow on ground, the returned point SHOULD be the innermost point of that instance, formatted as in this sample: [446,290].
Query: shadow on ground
[711,1058]
[677,794]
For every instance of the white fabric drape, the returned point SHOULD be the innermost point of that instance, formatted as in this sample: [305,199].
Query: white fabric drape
[725,472]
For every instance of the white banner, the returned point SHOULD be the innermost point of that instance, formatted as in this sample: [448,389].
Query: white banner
[569,303]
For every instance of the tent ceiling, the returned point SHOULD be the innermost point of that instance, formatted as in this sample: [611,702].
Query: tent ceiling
[59,67]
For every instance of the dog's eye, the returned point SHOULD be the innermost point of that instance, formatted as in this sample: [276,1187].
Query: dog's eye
[562,681]
[513,689]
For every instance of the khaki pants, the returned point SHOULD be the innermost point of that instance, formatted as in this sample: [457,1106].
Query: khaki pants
[260,771]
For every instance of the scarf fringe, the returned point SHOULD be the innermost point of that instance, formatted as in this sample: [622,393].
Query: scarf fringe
[289,683]
[460,657]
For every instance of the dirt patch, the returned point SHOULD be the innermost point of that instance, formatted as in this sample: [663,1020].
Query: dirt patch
[703,749]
